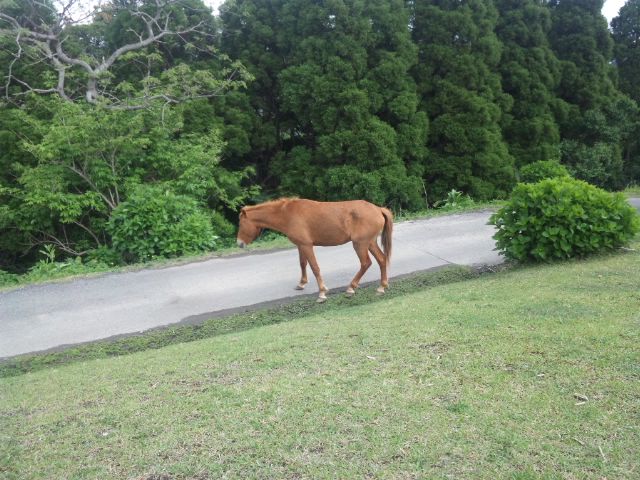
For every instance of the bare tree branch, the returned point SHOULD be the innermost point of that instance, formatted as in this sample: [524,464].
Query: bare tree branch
[48,37]
[65,246]
[89,231]
[33,89]
[82,174]
[16,57]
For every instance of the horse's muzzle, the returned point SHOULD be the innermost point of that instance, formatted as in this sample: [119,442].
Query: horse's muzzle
[241,244]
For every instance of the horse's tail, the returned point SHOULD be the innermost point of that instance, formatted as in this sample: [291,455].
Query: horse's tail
[386,232]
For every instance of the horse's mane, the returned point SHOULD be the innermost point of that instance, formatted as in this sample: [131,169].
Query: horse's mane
[277,201]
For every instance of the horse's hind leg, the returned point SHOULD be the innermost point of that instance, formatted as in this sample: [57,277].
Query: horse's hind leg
[307,251]
[381,258]
[303,268]
[365,262]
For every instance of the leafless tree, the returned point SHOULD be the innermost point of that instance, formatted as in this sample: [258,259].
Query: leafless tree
[40,35]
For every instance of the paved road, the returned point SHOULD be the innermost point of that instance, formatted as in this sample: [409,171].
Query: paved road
[47,316]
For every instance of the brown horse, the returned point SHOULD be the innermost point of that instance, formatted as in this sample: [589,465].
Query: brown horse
[308,223]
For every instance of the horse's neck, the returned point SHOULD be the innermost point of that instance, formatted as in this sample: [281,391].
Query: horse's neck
[270,216]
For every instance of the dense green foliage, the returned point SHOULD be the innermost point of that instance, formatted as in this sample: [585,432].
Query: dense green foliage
[530,74]
[460,89]
[333,97]
[626,36]
[561,218]
[83,162]
[597,119]
[536,171]
[396,102]
[156,223]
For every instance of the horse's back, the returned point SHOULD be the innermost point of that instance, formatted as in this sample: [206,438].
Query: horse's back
[334,223]
[358,210]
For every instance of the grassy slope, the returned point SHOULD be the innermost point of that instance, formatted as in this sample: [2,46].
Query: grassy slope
[476,379]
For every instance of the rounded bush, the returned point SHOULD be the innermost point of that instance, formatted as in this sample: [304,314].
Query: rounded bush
[154,223]
[561,218]
[542,169]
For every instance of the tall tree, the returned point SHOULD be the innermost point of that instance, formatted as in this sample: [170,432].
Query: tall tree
[333,95]
[86,59]
[580,37]
[530,73]
[592,128]
[626,37]
[460,90]
[258,34]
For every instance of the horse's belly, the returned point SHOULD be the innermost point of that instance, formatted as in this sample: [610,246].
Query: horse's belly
[329,234]
[330,242]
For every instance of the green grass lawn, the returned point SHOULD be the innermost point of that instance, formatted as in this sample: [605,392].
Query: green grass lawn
[529,373]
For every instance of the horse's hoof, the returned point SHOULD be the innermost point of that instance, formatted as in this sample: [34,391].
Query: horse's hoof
[321,299]
[350,292]
[380,291]
[300,287]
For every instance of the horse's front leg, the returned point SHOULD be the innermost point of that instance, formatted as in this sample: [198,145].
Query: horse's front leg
[307,251]
[303,268]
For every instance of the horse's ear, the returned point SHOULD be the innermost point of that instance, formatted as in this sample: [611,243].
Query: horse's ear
[243,212]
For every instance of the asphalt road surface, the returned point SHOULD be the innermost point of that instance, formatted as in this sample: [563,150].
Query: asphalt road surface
[49,316]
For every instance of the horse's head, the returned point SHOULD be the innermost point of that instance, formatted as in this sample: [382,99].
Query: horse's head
[248,231]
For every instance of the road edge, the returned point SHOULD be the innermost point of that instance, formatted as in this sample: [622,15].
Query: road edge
[208,325]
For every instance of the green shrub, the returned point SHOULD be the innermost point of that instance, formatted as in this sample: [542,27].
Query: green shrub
[562,218]
[223,227]
[104,255]
[455,200]
[49,270]
[156,223]
[7,279]
[542,169]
